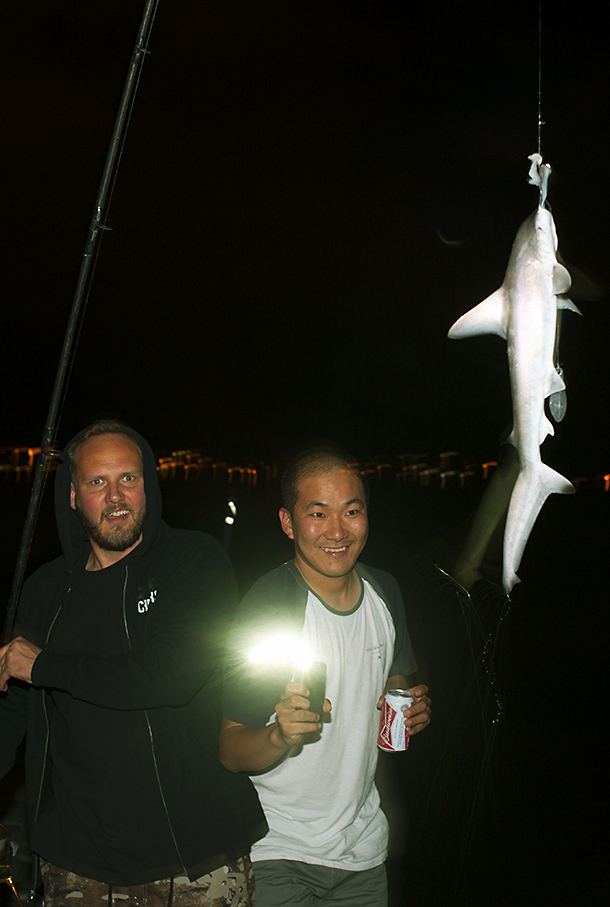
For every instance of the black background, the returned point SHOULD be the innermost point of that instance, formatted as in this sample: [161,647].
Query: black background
[277,274]
[275,271]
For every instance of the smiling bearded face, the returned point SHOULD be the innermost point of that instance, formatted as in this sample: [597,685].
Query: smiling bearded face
[108,492]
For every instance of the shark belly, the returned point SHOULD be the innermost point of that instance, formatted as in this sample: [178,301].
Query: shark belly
[530,343]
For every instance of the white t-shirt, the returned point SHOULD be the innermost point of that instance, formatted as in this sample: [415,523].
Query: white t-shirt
[320,801]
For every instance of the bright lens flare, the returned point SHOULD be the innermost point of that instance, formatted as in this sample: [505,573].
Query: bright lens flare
[282,649]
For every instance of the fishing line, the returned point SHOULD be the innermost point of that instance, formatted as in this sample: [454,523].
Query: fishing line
[463,634]
[539,73]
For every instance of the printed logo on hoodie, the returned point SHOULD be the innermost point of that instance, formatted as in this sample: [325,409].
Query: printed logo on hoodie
[145,602]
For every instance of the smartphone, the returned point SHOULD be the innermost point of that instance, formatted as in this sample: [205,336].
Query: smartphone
[314,679]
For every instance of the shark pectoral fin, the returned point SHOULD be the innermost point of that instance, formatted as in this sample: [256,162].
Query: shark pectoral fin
[561,279]
[564,303]
[488,317]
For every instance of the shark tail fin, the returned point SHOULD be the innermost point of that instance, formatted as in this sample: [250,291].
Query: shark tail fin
[532,488]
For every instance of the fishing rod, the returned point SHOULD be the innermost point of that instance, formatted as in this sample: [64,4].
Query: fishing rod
[83,285]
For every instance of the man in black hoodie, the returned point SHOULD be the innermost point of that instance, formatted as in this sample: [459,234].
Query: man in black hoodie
[114,673]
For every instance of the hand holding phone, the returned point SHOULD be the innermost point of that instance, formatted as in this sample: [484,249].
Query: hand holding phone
[314,679]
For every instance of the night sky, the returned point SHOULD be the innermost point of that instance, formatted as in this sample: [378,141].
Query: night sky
[276,272]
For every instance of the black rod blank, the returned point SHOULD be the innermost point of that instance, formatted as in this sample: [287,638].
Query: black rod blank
[96,228]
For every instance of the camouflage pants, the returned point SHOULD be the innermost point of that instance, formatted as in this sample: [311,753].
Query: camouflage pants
[228,886]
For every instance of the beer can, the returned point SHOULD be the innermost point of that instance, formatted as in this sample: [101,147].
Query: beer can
[393,735]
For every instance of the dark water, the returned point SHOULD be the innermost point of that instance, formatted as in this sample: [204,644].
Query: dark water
[501,800]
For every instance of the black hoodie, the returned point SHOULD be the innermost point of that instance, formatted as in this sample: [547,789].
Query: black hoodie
[123,778]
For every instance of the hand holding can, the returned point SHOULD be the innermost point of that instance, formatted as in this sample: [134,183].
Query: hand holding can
[393,735]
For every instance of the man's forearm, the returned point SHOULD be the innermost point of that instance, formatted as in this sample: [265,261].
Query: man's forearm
[251,749]
[16,660]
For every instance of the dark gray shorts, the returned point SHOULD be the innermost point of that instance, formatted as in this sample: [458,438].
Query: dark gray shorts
[287,882]
[231,885]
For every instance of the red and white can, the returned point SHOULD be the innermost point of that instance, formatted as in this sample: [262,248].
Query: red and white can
[393,735]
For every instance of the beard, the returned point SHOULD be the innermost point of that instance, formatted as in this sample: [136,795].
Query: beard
[118,538]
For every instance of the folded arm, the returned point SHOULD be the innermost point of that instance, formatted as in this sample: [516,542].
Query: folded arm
[16,660]
[183,649]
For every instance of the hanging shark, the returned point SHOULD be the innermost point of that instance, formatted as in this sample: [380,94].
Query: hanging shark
[523,311]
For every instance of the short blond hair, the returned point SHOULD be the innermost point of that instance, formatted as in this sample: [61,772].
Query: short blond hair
[99,427]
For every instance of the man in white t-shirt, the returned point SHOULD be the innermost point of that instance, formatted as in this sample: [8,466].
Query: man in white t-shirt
[314,773]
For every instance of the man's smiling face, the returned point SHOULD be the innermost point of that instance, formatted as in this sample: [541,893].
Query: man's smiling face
[108,492]
[328,524]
